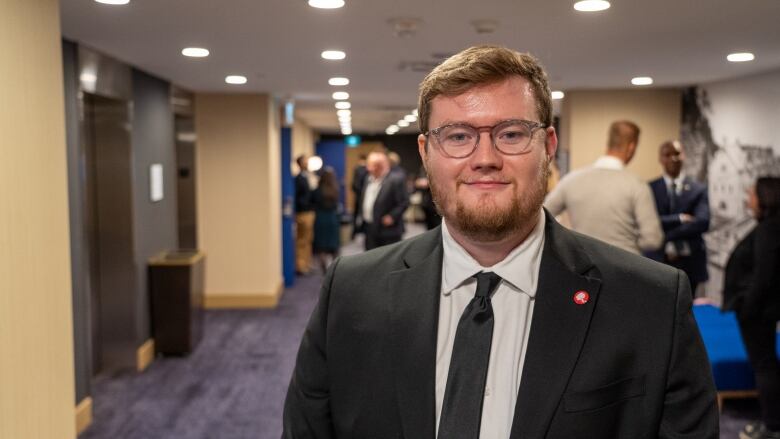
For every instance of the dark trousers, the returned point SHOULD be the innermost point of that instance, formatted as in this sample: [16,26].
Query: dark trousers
[374,237]
[759,338]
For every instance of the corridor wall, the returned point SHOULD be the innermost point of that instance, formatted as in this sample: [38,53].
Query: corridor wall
[239,204]
[36,332]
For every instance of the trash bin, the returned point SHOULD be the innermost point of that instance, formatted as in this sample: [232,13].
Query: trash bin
[176,290]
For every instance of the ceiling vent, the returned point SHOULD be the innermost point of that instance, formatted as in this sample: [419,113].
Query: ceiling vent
[405,27]
[485,25]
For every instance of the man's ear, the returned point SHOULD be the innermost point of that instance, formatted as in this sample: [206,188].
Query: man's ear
[422,147]
[551,143]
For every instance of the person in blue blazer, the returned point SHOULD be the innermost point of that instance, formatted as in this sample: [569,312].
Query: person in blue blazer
[684,210]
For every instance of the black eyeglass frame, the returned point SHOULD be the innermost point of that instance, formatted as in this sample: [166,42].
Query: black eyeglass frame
[531,125]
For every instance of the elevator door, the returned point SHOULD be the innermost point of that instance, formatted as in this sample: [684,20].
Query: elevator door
[108,224]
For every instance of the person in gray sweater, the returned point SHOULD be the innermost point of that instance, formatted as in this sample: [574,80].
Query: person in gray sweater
[608,202]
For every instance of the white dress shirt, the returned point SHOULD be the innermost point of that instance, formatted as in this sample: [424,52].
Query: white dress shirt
[369,197]
[513,304]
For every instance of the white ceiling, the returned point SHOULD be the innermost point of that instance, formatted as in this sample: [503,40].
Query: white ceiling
[277,44]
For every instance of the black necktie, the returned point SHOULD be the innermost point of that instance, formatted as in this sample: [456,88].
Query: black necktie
[461,412]
[672,197]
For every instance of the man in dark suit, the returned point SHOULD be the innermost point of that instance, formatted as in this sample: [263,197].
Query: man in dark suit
[684,210]
[383,202]
[500,323]
[359,175]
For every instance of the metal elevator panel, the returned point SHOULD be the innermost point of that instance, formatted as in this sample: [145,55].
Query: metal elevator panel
[185,181]
[108,226]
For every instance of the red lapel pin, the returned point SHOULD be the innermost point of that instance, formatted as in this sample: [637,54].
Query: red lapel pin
[581,297]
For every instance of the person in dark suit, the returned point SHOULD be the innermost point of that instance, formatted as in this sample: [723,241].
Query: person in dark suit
[359,175]
[751,288]
[684,210]
[383,202]
[500,323]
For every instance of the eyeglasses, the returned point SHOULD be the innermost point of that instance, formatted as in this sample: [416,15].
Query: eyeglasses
[510,137]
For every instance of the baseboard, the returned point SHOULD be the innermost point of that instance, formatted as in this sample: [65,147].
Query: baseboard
[731,394]
[145,355]
[244,301]
[83,415]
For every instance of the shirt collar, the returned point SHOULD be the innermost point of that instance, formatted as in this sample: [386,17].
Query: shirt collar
[520,268]
[609,162]
[678,181]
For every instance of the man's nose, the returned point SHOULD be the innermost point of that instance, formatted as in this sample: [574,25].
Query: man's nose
[486,155]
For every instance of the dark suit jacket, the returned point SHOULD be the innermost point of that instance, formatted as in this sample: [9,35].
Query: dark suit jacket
[692,200]
[303,194]
[752,273]
[392,200]
[627,364]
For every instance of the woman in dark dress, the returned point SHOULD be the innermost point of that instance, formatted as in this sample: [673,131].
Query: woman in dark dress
[327,237]
[752,289]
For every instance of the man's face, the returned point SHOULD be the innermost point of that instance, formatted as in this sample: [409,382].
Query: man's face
[488,195]
[376,164]
[672,158]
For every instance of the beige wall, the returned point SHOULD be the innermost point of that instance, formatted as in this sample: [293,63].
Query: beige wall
[239,195]
[586,116]
[36,331]
[303,140]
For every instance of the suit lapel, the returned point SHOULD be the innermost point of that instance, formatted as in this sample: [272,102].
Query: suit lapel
[558,330]
[661,193]
[415,311]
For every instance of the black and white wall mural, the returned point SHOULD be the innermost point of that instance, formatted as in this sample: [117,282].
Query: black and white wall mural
[731,135]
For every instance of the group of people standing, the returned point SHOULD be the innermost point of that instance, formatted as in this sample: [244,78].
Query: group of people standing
[318,226]
[665,221]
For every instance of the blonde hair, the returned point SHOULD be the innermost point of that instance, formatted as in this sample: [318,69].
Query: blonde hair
[481,65]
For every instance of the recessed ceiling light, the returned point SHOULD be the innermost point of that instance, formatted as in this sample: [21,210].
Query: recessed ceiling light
[326,4]
[415,112]
[334,54]
[642,80]
[557,94]
[235,79]
[390,132]
[113,2]
[341,113]
[591,5]
[346,118]
[402,123]
[195,52]
[340,95]
[346,132]
[338,81]
[393,127]
[410,118]
[741,57]
[343,105]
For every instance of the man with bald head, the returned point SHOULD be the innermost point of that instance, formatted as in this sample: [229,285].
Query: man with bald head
[684,209]
[608,202]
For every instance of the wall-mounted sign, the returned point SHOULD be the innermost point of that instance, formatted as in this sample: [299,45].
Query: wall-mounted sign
[156,182]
